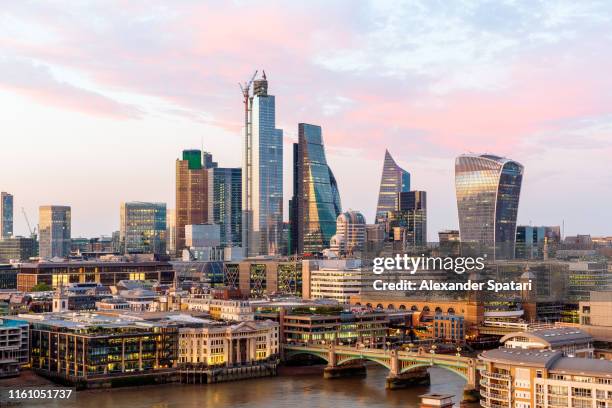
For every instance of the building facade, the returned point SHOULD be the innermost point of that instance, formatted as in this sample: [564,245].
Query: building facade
[225,203]
[142,228]
[488,189]
[393,181]
[14,346]
[262,174]
[6,215]
[316,199]
[350,233]
[54,223]
[171,231]
[410,219]
[17,248]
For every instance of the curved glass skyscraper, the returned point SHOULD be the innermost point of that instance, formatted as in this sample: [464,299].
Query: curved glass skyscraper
[394,180]
[316,201]
[488,189]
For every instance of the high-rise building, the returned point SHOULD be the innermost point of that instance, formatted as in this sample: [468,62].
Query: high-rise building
[17,248]
[350,233]
[316,199]
[411,218]
[225,203]
[54,229]
[6,215]
[393,181]
[488,188]
[262,173]
[142,228]
[191,192]
[171,231]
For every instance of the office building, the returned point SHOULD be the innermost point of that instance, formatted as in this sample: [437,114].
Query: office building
[449,327]
[316,199]
[410,219]
[449,241]
[225,204]
[257,278]
[350,234]
[393,181]
[191,193]
[221,309]
[142,228]
[331,279]
[533,242]
[171,231]
[488,188]
[54,230]
[17,249]
[6,215]
[262,173]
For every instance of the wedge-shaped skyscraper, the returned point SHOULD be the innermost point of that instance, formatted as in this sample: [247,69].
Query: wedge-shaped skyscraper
[394,180]
[488,188]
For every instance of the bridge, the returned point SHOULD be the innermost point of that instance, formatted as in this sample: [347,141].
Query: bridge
[405,367]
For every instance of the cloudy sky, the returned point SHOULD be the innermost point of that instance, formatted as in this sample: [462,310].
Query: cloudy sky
[97,99]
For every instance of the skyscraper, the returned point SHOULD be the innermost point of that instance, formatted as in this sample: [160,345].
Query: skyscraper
[350,233]
[171,231]
[316,199]
[225,203]
[411,217]
[191,192]
[393,181]
[488,189]
[54,229]
[262,173]
[6,215]
[142,228]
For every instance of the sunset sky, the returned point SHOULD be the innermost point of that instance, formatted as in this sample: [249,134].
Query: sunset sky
[98,99]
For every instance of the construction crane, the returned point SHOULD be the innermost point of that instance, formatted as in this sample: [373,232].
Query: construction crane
[25,215]
[247,86]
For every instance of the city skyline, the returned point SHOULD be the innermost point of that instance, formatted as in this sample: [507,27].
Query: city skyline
[82,113]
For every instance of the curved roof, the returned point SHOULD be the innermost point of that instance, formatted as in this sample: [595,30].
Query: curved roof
[556,337]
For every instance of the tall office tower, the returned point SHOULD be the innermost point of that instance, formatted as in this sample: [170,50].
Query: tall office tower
[6,215]
[488,189]
[350,233]
[262,173]
[142,228]
[531,241]
[191,193]
[225,203]
[316,199]
[171,231]
[412,218]
[54,230]
[393,181]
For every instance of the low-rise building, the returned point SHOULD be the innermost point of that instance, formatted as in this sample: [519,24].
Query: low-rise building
[569,340]
[14,346]
[449,327]
[224,309]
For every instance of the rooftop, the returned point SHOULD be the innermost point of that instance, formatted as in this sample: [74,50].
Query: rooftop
[554,337]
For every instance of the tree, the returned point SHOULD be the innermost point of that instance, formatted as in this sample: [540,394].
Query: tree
[41,287]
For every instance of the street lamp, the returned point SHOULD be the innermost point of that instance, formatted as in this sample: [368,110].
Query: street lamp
[458,351]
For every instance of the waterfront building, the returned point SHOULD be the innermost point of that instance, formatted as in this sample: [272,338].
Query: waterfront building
[350,233]
[171,231]
[225,204]
[17,249]
[569,340]
[488,188]
[104,272]
[316,199]
[6,215]
[14,346]
[221,309]
[54,229]
[519,378]
[191,193]
[142,228]
[393,181]
[216,344]
[262,173]
[331,279]
[449,327]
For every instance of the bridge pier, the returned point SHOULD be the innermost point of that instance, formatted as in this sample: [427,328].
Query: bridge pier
[418,376]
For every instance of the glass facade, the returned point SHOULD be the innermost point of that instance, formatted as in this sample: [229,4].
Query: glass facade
[6,215]
[393,181]
[262,179]
[54,229]
[488,189]
[316,202]
[225,203]
[142,228]
[411,218]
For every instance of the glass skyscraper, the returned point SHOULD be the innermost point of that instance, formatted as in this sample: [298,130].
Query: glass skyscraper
[6,215]
[316,200]
[411,217]
[54,229]
[225,203]
[488,188]
[393,181]
[262,177]
[142,228]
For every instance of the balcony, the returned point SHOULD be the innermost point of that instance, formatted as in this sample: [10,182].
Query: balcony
[496,396]
[497,376]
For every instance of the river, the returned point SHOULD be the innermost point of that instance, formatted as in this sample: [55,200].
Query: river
[304,391]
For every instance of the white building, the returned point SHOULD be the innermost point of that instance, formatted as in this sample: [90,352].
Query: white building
[234,310]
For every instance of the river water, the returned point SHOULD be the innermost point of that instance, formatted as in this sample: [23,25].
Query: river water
[304,391]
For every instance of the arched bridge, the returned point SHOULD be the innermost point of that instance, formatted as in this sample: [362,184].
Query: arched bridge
[398,362]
